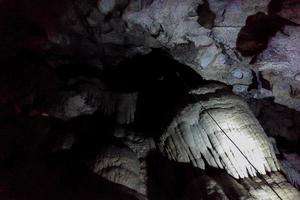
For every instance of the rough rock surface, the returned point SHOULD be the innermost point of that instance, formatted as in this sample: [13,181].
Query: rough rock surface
[279,65]
[277,120]
[291,167]
[290,10]
[201,34]
[213,188]
[260,190]
[263,187]
[121,166]
[179,28]
[175,26]
[140,145]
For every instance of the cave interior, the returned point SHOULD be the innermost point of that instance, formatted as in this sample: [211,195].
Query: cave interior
[150,99]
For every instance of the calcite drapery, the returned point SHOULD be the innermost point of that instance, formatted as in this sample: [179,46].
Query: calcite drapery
[193,136]
[88,98]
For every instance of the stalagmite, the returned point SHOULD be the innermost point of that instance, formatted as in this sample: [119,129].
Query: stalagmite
[139,144]
[119,165]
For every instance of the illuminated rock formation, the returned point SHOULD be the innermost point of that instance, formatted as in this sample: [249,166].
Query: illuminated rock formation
[99,95]
[194,137]
[119,165]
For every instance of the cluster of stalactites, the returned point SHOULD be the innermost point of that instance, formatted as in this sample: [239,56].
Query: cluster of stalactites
[123,105]
[90,98]
[201,132]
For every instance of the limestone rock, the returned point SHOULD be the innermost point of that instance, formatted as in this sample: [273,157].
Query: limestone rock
[119,165]
[279,64]
[122,105]
[213,189]
[273,186]
[139,144]
[192,44]
[290,10]
[291,167]
[111,31]
[193,136]
[208,88]
[278,120]
[142,147]
[88,98]
[106,6]
[259,189]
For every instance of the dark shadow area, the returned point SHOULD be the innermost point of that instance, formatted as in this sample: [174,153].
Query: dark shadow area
[181,181]
[31,170]
[254,37]
[275,6]
[162,84]
[206,17]
[280,122]
[254,84]
[58,177]
[170,180]
[143,71]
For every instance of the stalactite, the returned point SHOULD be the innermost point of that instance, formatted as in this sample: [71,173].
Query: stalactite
[122,105]
[90,98]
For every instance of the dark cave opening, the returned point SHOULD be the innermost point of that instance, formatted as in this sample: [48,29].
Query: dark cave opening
[162,84]
[146,70]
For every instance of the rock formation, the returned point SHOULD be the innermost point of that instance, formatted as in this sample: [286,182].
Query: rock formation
[149,99]
[119,165]
[217,129]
